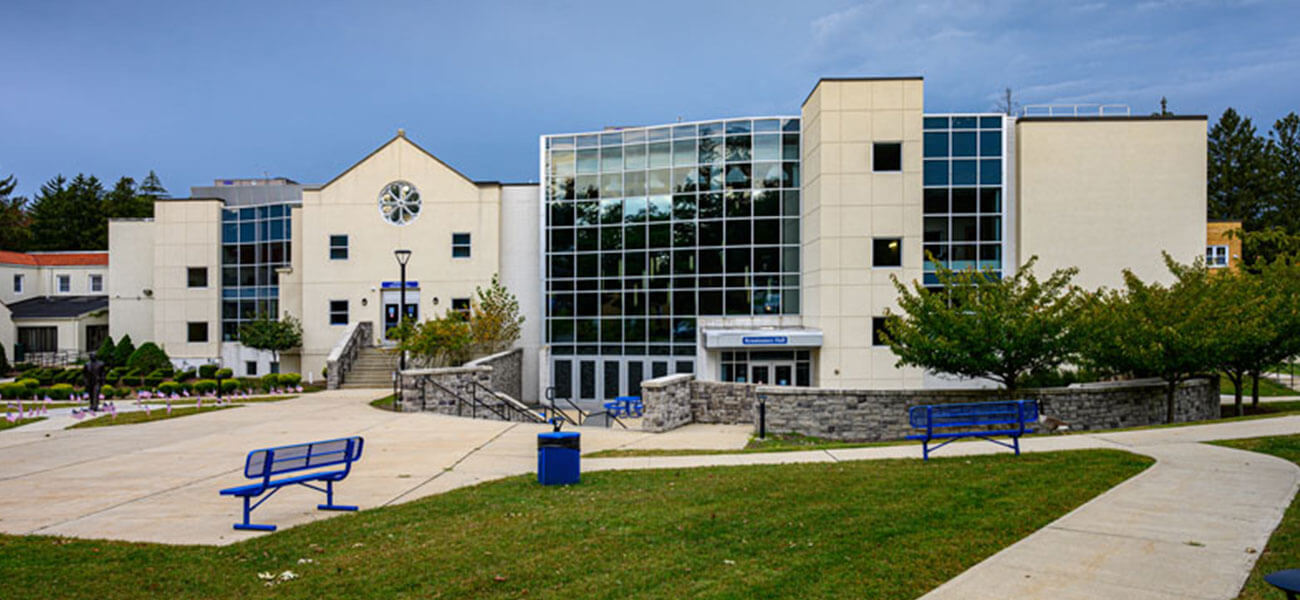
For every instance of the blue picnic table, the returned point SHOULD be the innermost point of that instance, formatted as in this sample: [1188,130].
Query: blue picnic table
[625,406]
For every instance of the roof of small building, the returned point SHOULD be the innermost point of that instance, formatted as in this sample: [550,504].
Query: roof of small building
[55,259]
[57,307]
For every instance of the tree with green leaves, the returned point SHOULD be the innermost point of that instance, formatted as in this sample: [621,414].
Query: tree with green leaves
[446,341]
[15,232]
[1154,330]
[273,335]
[126,201]
[495,321]
[68,215]
[1255,317]
[1284,144]
[986,326]
[1238,172]
[148,358]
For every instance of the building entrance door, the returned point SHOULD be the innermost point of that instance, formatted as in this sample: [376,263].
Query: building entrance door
[772,372]
[392,303]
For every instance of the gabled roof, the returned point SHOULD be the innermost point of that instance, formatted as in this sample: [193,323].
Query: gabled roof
[401,135]
[55,259]
[57,307]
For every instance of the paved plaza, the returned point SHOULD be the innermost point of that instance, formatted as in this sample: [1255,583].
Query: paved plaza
[1191,526]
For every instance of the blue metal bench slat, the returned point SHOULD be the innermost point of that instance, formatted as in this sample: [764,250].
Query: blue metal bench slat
[315,457]
[986,415]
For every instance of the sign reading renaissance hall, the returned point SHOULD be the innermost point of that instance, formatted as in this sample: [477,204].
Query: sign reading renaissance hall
[723,338]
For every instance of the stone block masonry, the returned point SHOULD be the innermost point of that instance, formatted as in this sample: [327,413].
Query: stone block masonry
[507,371]
[877,415]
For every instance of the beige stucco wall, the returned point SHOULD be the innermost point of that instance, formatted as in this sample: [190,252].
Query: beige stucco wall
[349,205]
[130,272]
[845,205]
[187,233]
[521,273]
[1109,194]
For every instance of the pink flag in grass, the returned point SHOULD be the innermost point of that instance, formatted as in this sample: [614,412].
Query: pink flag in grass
[174,396]
[21,412]
[101,396]
[185,393]
[11,417]
[47,398]
[169,408]
[78,414]
[112,410]
[199,403]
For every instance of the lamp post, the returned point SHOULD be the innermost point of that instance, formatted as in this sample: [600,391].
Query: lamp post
[402,257]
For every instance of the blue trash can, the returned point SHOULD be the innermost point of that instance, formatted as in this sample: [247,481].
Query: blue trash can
[557,457]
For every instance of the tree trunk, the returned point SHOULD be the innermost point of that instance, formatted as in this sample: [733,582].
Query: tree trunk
[1254,389]
[1236,388]
[1169,401]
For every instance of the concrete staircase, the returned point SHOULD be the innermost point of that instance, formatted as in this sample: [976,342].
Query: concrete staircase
[372,369]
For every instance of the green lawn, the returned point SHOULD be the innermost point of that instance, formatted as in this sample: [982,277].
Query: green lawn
[1283,550]
[5,424]
[1267,387]
[783,442]
[868,529]
[385,403]
[156,414]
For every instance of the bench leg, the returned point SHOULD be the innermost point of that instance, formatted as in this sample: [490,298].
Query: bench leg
[329,500]
[1015,440]
[925,449]
[247,526]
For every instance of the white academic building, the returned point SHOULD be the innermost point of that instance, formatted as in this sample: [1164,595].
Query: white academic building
[755,249]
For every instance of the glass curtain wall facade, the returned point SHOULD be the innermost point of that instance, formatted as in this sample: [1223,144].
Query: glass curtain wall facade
[650,228]
[964,192]
[255,242]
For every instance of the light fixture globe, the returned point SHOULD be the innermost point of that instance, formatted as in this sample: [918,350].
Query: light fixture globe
[399,203]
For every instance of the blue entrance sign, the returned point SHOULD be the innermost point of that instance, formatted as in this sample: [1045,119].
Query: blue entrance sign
[397,285]
[765,340]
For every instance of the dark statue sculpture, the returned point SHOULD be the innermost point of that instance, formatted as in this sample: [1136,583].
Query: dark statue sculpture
[94,375]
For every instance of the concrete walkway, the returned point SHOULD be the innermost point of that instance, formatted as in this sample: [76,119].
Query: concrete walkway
[1191,526]
[158,482]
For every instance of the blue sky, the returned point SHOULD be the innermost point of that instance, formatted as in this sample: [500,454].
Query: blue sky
[203,90]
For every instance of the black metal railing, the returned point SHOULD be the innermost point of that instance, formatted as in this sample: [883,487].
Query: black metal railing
[608,418]
[499,408]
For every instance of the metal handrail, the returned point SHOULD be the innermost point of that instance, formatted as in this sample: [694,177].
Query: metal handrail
[583,415]
[510,408]
[460,400]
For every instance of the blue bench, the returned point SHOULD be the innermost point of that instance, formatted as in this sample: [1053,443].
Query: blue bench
[626,406]
[977,419]
[326,461]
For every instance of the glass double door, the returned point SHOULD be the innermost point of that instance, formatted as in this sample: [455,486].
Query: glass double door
[772,372]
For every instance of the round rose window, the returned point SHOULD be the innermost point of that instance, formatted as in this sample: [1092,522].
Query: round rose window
[399,203]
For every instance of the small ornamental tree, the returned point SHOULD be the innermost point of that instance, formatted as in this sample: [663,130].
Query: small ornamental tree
[123,351]
[106,351]
[982,325]
[1260,313]
[446,341]
[1154,330]
[148,358]
[495,322]
[276,336]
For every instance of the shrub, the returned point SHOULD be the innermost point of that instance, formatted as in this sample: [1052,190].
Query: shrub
[290,379]
[270,381]
[73,376]
[115,373]
[224,374]
[122,353]
[169,387]
[4,361]
[207,371]
[59,391]
[205,386]
[23,367]
[122,392]
[43,375]
[229,386]
[185,375]
[107,352]
[133,373]
[186,386]
[152,382]
[149,357]
[163,373]
[30,384]
[108,391]
[13,391]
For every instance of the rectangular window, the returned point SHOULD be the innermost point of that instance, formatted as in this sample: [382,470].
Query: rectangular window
[338,247]
[461,305]
[197,332]
[1216,257]
[96,283]
[196,277]
[887,156]
[887,252]
[338,312]
[39,339]
[18,284]
[250,368]
[65,284]
[460,245]
[877,331]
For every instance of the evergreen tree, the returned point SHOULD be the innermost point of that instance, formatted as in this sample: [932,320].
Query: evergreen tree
[125,201]
[107,352]
[152,187]
[1285,146]
[69,215]
[122,353]
[15,232]
[1239,173]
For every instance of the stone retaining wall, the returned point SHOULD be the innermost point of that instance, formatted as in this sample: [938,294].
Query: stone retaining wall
[421,391]
[872,415]
[507,371]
